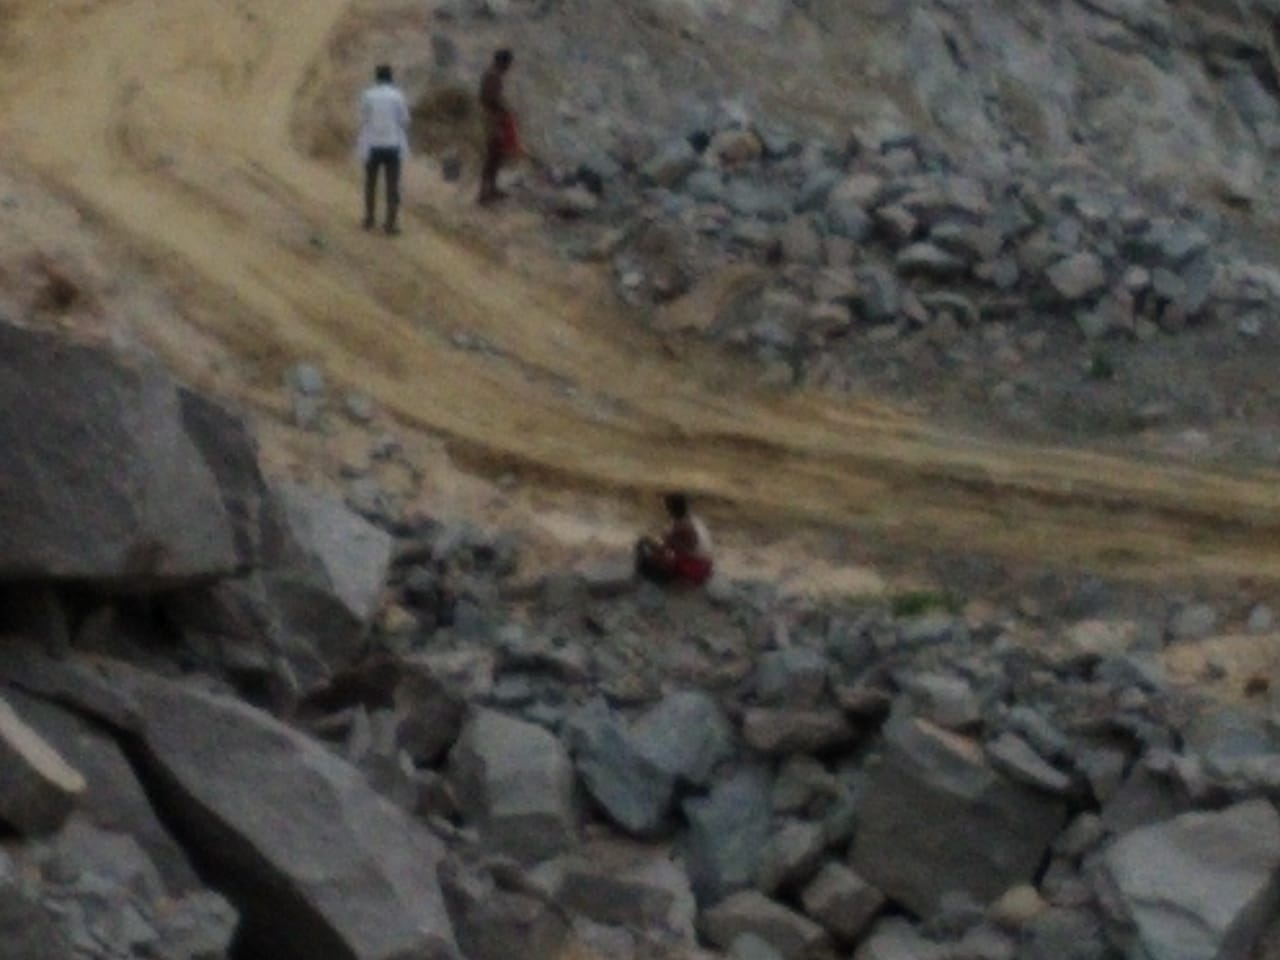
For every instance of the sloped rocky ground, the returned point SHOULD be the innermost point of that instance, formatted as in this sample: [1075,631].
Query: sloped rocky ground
[242,718]
[281,728]
[1056,226]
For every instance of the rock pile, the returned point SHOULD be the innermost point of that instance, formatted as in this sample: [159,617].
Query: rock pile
[460,764]
[877,238]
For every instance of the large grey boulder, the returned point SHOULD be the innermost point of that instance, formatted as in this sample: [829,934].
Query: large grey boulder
[935,817]
[634,792]
[516,780]
[1202,886]
[100,479]
[38,788]
[728,831]
[686,735]
[319,864]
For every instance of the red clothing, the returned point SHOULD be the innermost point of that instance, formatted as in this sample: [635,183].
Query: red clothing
[692,570]
[510,136]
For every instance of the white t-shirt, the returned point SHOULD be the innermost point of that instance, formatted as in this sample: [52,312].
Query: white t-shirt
[384,120]
[703,549]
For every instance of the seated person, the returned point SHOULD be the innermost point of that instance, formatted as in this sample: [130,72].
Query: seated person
[683,555]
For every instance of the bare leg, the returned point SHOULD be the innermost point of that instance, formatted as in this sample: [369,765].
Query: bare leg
[489,191]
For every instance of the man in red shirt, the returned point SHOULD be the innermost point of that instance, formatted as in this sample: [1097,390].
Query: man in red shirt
[499,125]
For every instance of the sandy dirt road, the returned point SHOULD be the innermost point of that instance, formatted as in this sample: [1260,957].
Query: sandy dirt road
[174,125]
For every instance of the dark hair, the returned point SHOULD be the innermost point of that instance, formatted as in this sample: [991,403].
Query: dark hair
[382,73]
[503,58]
[677,505]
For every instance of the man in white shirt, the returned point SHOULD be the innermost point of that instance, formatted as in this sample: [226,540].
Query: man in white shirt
[384,144]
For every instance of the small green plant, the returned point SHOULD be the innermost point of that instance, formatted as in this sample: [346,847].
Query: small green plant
[915,603]
[1101,367]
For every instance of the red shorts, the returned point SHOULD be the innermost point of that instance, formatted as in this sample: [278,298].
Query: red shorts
[692,570]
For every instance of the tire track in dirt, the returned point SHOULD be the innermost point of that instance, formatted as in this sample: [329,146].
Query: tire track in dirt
[175,124]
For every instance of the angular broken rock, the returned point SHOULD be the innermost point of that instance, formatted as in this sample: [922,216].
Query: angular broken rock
[636,888]
[842,902]
[1077,277]
[27,931]
[936,817]
[325,570]
[782,730]
[793,935]
[38,788]
[728,830]
[686,735]
[1012,755]
[319,864]
[792,855]
[1202,886]
[497,924]
[632,790]
[929,260]
[231,452]
[795,677]
[114,799]
[516,780]
[101,479]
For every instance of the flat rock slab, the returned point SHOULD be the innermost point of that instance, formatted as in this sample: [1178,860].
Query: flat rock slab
[38,788]
[1201,886]
[100,478]
[319,863]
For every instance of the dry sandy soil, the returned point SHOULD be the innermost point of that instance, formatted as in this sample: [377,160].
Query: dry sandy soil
[173,134]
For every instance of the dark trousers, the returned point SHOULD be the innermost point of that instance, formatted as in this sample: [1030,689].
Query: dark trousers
[379,158]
